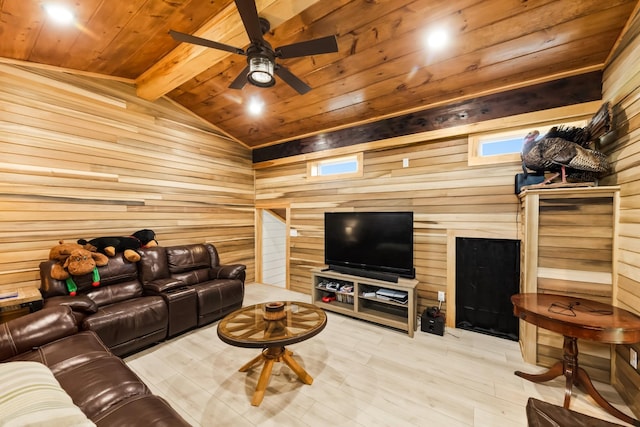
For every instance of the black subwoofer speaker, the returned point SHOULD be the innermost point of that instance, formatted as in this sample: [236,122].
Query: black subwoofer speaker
[432,324]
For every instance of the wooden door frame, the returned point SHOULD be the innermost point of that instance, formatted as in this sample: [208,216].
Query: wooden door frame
[260,207]
[450,299]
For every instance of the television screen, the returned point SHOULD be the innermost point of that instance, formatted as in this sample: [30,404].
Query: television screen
[370,241]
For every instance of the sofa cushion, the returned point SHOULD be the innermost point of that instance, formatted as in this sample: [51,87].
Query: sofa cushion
[101,383]
[128,320]
[118,270]
[188,257]
[153,264]
[147,410]
[217,298]
[31,396]
[111,294]
[67,353]
[193,277]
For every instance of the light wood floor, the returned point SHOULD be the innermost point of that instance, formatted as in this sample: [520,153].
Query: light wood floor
[364,375]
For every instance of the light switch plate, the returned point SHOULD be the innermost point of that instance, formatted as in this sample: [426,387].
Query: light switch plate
[633,358]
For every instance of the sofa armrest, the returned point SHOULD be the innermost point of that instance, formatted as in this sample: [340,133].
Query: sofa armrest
[231,271]
[159,286]
[80,303]
[36,329]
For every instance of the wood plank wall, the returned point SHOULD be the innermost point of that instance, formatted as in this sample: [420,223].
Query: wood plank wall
[443,192]
[449,198]
[83,158]
[621,86]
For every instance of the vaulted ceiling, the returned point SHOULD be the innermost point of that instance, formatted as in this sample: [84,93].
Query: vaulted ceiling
[383,68]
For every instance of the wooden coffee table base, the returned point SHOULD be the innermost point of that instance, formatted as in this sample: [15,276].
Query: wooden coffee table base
[271,326]
[574,374]
[269,356]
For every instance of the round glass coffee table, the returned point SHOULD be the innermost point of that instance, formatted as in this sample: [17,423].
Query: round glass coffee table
[272,326]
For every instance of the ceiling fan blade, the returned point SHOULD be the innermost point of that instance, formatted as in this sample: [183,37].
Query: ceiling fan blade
[241,80]
[188,38]
[289,78]
[249,14]
[327,44]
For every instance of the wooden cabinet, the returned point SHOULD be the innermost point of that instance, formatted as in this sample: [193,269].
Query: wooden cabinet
[569,237]
[367,299]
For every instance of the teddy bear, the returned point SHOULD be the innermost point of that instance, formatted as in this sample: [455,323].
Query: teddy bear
[126,244]
[75,260]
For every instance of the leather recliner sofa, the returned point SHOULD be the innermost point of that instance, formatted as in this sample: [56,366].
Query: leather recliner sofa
[98,382]
[191,277]
[170,290]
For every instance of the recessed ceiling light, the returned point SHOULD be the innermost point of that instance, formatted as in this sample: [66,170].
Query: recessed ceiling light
[255,106]
[437,39]
[59,14]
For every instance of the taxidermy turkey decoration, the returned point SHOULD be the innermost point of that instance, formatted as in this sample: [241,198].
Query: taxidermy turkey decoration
[566,152]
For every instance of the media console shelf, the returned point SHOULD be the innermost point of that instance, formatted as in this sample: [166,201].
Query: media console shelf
[370,299]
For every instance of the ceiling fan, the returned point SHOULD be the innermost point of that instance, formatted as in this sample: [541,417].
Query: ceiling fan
[261,57]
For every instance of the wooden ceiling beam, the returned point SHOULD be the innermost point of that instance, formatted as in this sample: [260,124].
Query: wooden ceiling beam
[543,96]
[187,61]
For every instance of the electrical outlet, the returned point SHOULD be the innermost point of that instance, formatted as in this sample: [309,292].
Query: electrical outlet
[441,296]
[405,162]
[633,358]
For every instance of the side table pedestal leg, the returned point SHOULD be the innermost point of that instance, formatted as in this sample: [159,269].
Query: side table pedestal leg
[555,371]
[583,380]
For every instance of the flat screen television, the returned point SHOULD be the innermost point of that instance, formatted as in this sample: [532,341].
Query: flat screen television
[370,244]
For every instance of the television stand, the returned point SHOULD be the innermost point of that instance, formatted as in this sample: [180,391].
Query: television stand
[387,303]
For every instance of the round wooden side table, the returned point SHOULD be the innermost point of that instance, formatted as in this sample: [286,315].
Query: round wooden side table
[576,318]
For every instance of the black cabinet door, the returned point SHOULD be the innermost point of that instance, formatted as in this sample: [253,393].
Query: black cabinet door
[487,274]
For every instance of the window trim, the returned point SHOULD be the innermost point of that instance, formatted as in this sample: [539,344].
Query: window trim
[358,157]
[475,141]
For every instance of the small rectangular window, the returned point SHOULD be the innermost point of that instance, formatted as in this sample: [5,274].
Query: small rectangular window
[336,167]
[504,146]
[499,146]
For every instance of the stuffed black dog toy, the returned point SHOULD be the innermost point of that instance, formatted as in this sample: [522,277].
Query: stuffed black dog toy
[146,237]
[127,244]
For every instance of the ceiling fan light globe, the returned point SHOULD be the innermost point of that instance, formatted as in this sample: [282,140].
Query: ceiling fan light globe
[260,78]
[261,71]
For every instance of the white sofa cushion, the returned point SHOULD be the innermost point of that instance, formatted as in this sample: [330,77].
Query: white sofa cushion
[31,396]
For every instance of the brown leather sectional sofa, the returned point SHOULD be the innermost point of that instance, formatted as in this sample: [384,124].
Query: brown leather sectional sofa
[98,382]
[169,291]
[79,338]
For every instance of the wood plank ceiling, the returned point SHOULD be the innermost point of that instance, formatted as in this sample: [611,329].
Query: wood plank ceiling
[383,67]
